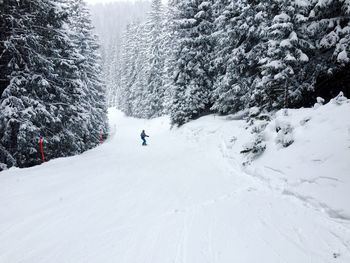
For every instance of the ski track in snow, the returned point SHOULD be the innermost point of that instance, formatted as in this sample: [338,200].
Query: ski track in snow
[178,200]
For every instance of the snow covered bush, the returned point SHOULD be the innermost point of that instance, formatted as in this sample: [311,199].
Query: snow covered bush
[257,122]
[320,102]
[340,99]
[259,126]
[254,149]
[284,133]
[253,112]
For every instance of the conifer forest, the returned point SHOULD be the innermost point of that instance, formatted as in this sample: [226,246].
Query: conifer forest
[183,58]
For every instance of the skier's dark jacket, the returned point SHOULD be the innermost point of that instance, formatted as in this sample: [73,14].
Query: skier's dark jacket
[143,135]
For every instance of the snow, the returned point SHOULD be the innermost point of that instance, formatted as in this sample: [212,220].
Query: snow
[276,64]
[283,17]
[204,5]
[315,168]
[323,3]
[286,43]
[303,57]
[186,197]
[290,57]
[329,40]
[200,14]
[343,57]
[301,3]
[259,16]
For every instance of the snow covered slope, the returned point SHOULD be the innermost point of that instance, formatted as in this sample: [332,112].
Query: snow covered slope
[186,197]
[315,168]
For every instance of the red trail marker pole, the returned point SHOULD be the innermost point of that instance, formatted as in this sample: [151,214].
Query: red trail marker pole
[101,137]
[42,149]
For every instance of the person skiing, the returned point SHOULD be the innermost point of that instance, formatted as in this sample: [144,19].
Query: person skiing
[143,137]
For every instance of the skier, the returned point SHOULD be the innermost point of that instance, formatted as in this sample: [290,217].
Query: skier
[143,137]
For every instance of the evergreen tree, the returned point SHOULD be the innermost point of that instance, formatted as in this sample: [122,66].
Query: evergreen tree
[113,75]
[92,109]
[283,75]
[142,86]
[194,77]
[6,21]
[329,26]
[139,89]
[110,22]
[171,41]
[24,114]
[46,93]
[154,41]
[233,27]
[133,78]
[240,28]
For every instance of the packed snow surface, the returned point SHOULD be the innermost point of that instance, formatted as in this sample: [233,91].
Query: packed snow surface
[186,197]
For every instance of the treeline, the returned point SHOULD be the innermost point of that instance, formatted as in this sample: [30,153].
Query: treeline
[196,57]
[50,82]
[110,20]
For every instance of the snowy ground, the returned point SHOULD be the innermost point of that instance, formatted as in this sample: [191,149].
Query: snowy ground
[186,197]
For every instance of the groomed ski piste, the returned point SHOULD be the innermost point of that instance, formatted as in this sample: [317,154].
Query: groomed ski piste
[187,197]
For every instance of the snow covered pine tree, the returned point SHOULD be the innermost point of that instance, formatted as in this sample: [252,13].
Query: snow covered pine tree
[44,92]
[193,81]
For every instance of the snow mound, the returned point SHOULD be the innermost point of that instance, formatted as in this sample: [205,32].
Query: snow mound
[302,153]
[315,167]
